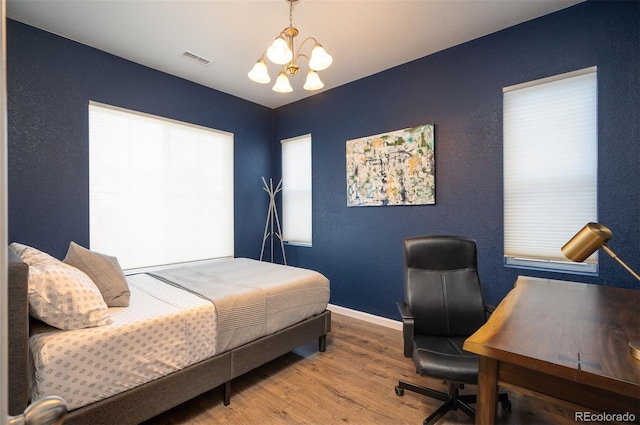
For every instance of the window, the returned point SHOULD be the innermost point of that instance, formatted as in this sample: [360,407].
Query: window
[550,169]
[161,191]
[296,190]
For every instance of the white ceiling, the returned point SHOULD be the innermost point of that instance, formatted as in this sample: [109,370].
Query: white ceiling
[363,36]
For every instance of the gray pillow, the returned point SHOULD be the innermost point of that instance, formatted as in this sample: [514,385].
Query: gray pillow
[104,271]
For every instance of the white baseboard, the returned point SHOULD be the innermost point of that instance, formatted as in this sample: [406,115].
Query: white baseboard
[367,317]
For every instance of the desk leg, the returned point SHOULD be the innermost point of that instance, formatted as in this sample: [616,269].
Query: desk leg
[487,391]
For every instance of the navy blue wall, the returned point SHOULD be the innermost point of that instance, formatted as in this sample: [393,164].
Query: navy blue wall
[50,83]
[51,80]
[460,91]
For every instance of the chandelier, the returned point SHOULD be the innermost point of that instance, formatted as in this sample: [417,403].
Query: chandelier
[282,52]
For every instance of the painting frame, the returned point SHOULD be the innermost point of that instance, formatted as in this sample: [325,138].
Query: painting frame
[393,168]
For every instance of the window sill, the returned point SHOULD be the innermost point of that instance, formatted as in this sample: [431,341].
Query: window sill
[303,244]
[587,269]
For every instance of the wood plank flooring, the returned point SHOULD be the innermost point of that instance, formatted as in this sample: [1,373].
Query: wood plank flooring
[351,383]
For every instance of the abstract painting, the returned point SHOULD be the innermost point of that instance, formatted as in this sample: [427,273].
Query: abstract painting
[396,168]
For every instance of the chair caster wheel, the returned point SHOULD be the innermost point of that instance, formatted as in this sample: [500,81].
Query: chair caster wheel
[399,391]
[506,405]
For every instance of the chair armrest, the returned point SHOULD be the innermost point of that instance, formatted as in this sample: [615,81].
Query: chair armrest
[403,308]
[407,328]
[489,308]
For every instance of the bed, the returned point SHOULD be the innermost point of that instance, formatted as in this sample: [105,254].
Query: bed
[198,340]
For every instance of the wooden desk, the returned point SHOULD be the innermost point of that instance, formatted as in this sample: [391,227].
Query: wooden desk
[563,342]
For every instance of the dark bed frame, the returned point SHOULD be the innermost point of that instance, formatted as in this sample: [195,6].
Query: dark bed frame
[148,400]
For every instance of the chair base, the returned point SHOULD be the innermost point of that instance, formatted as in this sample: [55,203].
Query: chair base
[453,400]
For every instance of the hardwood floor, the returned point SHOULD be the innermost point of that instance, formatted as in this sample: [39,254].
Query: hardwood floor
[351,383]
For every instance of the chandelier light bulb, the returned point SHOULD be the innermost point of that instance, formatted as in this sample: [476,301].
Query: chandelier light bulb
[282,84]
[279,52]
[320,59]
[313,81]
[259,73]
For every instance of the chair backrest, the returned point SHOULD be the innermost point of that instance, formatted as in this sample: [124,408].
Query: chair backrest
[442,287]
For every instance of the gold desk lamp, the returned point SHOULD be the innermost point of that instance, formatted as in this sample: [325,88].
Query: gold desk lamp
[591,237]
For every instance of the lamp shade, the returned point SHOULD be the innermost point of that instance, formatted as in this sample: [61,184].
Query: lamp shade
[320,59]
[282,84]
[259,73]
[313,81]
[279,52]
[591,237]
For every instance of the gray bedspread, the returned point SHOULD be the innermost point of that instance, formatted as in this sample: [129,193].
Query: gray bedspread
[252,298]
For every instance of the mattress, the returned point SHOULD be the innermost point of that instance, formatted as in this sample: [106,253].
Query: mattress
[168,327]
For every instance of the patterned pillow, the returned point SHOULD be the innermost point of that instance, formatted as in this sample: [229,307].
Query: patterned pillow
[61,295]
[104,271]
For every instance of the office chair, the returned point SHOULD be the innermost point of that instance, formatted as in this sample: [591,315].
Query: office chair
[443,306]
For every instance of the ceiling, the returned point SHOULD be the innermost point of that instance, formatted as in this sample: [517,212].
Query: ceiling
[363,36]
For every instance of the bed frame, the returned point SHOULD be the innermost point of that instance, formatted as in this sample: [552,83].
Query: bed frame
[148,400]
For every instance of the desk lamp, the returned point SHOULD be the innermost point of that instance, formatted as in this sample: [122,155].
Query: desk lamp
[591,237]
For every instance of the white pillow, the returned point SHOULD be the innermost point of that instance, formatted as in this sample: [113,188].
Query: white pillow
[61,295]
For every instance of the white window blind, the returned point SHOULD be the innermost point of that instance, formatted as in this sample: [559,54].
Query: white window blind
[296,190]
[550,168]
[161,191]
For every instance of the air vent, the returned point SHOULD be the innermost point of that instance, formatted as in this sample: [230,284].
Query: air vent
[196,58]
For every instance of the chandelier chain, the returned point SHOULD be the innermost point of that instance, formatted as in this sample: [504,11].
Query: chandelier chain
[290,13]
